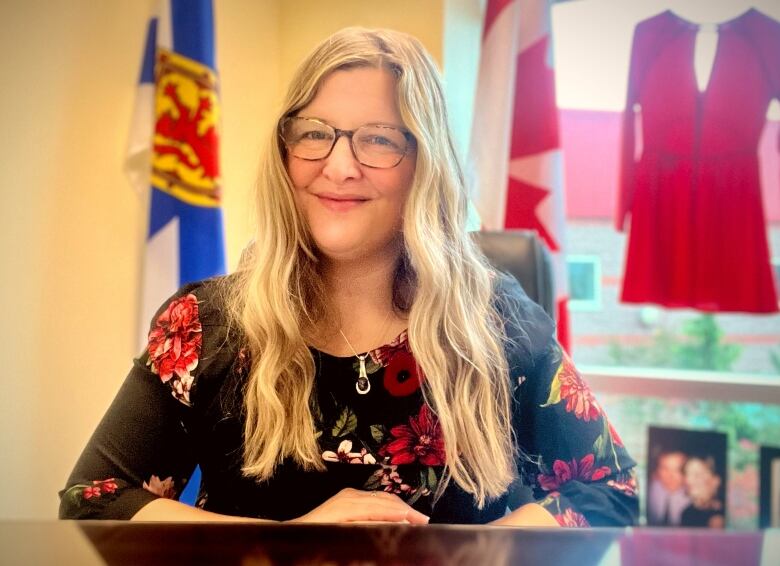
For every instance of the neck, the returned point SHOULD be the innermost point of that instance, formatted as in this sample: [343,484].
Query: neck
[360,300]
[360,284]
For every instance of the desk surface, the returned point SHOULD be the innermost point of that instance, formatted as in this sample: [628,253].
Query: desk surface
[107,542]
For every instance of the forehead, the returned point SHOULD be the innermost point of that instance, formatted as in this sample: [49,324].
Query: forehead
[353,97]
[671,460]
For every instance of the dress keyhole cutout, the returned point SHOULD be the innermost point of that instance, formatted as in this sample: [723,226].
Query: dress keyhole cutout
[704,54]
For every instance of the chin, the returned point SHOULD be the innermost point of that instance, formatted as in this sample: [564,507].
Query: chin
[341,251]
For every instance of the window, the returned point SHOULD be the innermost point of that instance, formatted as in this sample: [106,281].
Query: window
[592,44]
[584,282]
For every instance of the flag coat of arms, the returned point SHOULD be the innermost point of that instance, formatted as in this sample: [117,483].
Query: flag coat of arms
[173,153]
[515,157]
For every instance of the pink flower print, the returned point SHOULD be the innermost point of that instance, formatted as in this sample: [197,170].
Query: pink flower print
[627,485]
[91,491]
[566,471]
[345,455]
[392,482]
[571,518]
[576,392]
[162,488]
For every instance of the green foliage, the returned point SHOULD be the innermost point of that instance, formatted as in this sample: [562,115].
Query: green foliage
[700,346]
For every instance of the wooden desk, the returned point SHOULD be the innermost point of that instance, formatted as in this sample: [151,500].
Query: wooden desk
[108,542]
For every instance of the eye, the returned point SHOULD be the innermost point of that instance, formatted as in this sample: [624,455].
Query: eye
[379,141]
[314,135]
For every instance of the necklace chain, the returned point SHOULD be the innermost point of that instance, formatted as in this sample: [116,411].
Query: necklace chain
[363,385]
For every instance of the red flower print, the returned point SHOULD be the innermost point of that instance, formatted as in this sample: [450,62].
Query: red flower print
[98,488]
[402,375]
[571,518]
[174,345]
[576,392]
[564,472]
[419,441]
[106,486]
[162,488]
[90,492]
[383,354]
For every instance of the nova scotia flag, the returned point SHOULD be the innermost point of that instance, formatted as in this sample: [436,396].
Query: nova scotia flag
[173,153]
[173,156]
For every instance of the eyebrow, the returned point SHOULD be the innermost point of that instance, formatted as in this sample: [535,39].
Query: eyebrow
[390,124]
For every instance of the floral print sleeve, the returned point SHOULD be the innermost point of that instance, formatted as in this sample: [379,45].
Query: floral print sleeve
[570,455]
[141,450]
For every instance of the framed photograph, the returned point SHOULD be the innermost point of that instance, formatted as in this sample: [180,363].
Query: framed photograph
[769,492]
[686,478]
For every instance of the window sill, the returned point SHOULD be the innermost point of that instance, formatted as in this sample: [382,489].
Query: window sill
[684,384]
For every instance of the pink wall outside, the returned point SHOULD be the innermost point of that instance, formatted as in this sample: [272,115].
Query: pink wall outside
[591,146]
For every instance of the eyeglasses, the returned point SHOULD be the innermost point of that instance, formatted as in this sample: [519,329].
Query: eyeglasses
[373,145]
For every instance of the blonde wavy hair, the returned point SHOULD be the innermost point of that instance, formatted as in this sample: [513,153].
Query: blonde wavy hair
[453,329]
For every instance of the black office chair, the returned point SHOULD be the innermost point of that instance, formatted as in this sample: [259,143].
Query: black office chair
[521,254]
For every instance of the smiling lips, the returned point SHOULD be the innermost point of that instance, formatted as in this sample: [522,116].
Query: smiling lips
[339,202]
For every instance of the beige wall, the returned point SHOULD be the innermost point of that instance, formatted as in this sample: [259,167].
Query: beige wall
[304,23]
[72,227]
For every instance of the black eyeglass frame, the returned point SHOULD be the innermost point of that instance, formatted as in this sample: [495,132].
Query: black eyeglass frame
[410,139]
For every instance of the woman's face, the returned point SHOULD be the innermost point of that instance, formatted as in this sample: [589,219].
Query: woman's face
[353,211]
[700,482]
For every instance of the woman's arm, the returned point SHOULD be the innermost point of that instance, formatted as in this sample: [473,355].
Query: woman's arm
[574,460]
[142,450]
[173,511]
[139,452]
[347,506]
[570,456]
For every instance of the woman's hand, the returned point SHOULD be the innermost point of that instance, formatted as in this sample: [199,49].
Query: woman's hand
[352,505]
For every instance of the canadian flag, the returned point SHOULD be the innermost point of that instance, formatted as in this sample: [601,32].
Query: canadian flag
[515,155]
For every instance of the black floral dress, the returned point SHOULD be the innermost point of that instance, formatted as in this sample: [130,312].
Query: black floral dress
[180,407]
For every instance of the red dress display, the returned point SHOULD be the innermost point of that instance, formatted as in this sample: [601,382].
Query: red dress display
[697,231]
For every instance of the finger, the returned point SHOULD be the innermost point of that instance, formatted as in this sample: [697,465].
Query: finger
[384,495]
[412,515]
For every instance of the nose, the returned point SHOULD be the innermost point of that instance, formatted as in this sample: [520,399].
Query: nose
[341,165]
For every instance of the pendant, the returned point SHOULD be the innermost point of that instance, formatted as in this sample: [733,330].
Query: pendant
[362,385]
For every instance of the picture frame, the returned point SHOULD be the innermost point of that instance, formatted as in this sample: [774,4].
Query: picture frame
[769,488]
[687,474]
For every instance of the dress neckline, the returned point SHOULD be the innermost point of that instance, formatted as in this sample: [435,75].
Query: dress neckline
[397,341]
[719,26]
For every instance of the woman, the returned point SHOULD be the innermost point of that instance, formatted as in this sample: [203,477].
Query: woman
[364,363]
[703,485]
